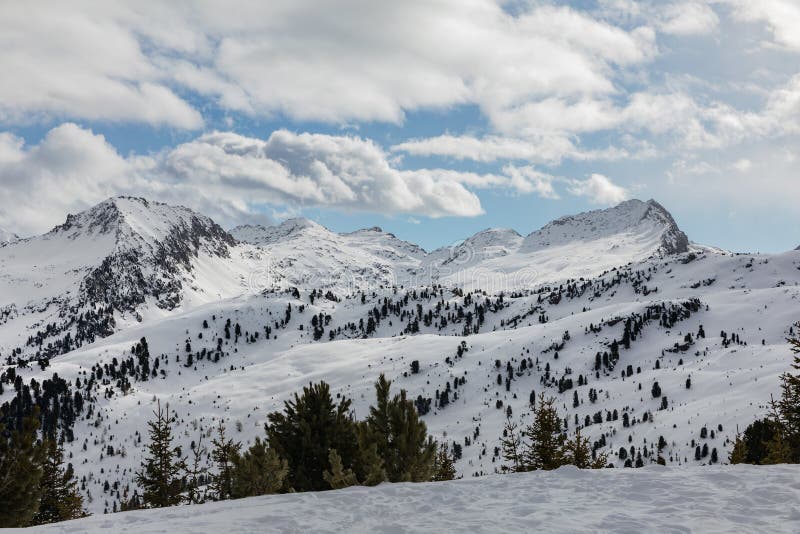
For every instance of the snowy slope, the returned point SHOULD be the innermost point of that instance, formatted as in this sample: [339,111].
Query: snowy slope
[300,252]
[7,237]
[570,247]
[755,297]
[710,500]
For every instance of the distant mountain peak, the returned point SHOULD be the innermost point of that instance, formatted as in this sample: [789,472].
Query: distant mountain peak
[649,220]
[7,237]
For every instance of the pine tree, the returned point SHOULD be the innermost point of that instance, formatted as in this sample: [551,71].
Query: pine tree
[370,463]
[577,452]
[60,499]
[223,454]
[545,439]
[785,447]
[21,459]
[160,476]
[400,437]
[305,432]
[738,453]
[444,466]
[337,476]
[195,473]
[258,471]
[511,444]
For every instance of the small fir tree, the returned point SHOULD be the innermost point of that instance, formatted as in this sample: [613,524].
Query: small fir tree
[160,476]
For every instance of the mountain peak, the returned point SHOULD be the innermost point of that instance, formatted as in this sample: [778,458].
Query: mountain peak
[288,229]
[647,223]
[7,237]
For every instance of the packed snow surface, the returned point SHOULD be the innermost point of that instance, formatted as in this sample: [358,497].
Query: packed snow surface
[653,499]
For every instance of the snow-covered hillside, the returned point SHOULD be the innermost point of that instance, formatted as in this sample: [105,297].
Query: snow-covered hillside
[710,499]
[7,237]
[254,319]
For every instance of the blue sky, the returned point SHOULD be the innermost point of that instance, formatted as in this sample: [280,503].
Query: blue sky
[433,119]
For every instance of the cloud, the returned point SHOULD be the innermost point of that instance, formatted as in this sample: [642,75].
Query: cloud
[320,170]
[352,61]
[60,60]
[679,18]
[233,178]
[70,168]
[688,18]
[782,17]
[548,149]
[599,189]
[742,165]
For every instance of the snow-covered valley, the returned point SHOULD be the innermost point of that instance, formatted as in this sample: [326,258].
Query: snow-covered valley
[593,309]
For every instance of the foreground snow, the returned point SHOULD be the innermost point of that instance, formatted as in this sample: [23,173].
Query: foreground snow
[652,499]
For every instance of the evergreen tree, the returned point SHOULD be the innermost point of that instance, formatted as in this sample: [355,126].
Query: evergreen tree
[258,471]
[757,438]
[400,437]
[60,500]
[785,446]
[444,466]
[160,476]
[338,477]
[305,432]
[21,459]
[545,439]
[738,453]
[195,474]
[371,471]
[223,454]
[577,452]
[511,444]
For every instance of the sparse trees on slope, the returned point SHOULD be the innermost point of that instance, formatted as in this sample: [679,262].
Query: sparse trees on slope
[160,476]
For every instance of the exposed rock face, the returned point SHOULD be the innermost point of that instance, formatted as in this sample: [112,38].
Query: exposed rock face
[154,244]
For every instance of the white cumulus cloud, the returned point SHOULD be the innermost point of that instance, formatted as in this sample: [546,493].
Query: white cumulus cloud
[599,189]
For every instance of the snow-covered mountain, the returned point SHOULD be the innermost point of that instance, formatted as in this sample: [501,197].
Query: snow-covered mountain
[120,256]
[236,322]
[302,253]
[570,247]
[634,226]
